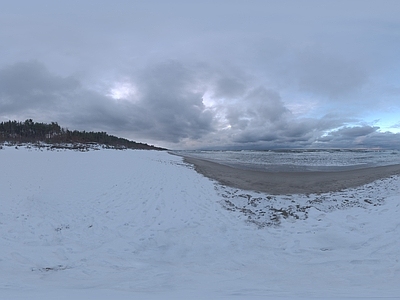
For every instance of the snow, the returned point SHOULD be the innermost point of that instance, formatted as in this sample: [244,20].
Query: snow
[112,224]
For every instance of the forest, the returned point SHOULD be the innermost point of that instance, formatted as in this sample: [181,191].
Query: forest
[35,132]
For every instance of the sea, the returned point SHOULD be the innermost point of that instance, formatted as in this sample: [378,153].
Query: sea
[296,160]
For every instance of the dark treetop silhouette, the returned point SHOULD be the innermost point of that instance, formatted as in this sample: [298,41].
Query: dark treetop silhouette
[33,132]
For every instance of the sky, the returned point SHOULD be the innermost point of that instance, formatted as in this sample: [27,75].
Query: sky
[217,74]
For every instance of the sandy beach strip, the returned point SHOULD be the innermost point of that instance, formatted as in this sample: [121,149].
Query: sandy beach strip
[282,183]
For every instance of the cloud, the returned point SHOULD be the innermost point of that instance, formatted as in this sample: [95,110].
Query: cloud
[383,140]
[289,131]
[173,101]
[397,125]
[263,73]
[361,136]
[326,74]
[258,108]
[355,132]
[29,85]
[167,105]
[169,109]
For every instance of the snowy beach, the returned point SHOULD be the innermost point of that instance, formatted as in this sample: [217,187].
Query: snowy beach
[111,224]
[284,182]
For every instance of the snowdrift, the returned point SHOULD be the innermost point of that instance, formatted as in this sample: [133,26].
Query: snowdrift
[142,224]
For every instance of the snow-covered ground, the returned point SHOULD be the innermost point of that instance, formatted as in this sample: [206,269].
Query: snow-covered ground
[111,224]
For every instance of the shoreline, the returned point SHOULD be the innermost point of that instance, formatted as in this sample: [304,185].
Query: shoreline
[285,183]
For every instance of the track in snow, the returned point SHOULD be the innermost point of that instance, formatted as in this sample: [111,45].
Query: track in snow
[144,222]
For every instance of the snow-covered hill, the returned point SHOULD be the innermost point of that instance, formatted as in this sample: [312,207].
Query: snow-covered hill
[130,224]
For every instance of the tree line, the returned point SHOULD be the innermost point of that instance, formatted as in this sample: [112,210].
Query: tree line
[33,132]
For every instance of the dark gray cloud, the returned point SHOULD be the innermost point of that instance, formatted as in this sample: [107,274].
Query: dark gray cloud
[260,109]
[361,136]
[170,97]
[168,109]
[168,106]
[290,131]
[387,140]
[29,85]
[206,74]
[229,87]
[348,134]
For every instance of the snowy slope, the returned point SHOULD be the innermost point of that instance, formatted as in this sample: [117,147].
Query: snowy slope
[113,224]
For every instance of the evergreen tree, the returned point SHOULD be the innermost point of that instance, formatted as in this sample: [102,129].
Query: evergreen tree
[33,132]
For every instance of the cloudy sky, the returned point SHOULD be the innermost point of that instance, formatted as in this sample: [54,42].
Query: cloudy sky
[207,74]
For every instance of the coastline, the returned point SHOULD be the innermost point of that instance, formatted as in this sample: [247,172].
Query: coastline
[282,183]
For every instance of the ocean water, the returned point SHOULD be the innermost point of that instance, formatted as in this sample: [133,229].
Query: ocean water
[301,160]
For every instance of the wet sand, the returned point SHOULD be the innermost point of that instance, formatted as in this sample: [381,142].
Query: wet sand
[281,183]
